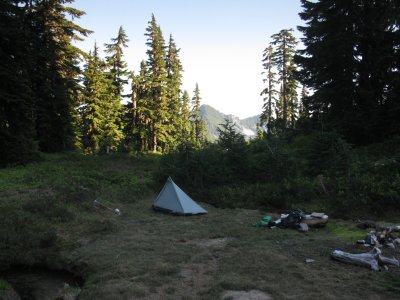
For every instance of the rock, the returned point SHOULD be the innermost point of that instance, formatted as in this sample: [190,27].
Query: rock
[303,227]
[309,260]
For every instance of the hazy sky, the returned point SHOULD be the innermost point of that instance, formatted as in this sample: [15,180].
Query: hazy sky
[221,41]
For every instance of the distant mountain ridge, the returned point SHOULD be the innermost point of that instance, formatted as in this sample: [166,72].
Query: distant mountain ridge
[213,119]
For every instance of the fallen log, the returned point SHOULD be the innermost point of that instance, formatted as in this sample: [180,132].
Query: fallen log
[373,259]
[362,259]
[383,260]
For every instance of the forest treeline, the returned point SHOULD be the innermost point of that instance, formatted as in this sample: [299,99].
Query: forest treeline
[55,97]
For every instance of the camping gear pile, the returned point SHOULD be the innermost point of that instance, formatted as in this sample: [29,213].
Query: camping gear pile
[296,219]
[387,236]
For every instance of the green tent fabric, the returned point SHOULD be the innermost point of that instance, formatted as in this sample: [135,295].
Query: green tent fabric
[172,199]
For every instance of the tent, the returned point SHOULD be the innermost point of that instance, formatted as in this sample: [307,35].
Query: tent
[172,199]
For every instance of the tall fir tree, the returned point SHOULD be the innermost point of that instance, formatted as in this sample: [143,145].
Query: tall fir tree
[174,83]
[270,93]
[198,130]
[156,63]
[283,58]
[138,129]
[95,95]
[118,68]
[54,71]
[184,128]
[351,62]
[118,75]
[47,64]
[17,130]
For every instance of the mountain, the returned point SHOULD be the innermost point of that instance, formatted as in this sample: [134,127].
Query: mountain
[214,118]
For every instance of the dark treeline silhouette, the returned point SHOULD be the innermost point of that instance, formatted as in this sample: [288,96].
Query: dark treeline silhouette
[351,63]
[38,75]
[348,71]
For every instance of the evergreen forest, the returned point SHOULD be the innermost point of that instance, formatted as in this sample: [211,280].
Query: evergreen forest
[328,135]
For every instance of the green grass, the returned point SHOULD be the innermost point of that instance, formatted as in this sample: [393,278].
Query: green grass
[346,232]
[391,282]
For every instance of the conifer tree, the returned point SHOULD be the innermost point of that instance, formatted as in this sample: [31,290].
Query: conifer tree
[327,64]
[54,70]
[351,62]
[198,129]
[174,83]
[118,76]
[303,98]
[283,57]
[184,127]
[47,65]
[138,129]
[16,98]
[270,93]
[95,95]
[118,72]
[156,63]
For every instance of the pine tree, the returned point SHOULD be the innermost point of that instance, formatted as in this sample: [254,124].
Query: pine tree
[184,136]
[17,130]
[54,71]
[138,129]
[118,72]
[327,62]
[377,65]
[270,93]
[228,138]
[284,50]
[118,75]
[303,98]
[351,62]
[198,130]
[156,63]
[174,83]
[95,95]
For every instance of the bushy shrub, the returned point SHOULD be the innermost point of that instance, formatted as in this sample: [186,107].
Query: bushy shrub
[25,237]
[292,169]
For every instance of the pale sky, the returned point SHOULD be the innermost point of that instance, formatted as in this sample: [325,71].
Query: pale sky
[221,41]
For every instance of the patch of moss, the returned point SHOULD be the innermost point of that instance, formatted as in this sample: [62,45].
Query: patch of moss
[346,233]
[4,285]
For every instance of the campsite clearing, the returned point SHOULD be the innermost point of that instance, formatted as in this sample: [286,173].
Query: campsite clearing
[161,256]
[143,254]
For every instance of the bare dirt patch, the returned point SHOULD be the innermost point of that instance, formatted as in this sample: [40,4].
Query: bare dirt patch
[245,295]
[211,243]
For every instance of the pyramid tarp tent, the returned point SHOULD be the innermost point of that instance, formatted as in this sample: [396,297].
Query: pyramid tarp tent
[172,199]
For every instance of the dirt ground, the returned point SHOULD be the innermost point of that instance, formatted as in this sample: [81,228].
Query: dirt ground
[150,255]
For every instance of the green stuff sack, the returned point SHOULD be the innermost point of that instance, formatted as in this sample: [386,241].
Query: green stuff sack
[264,221]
